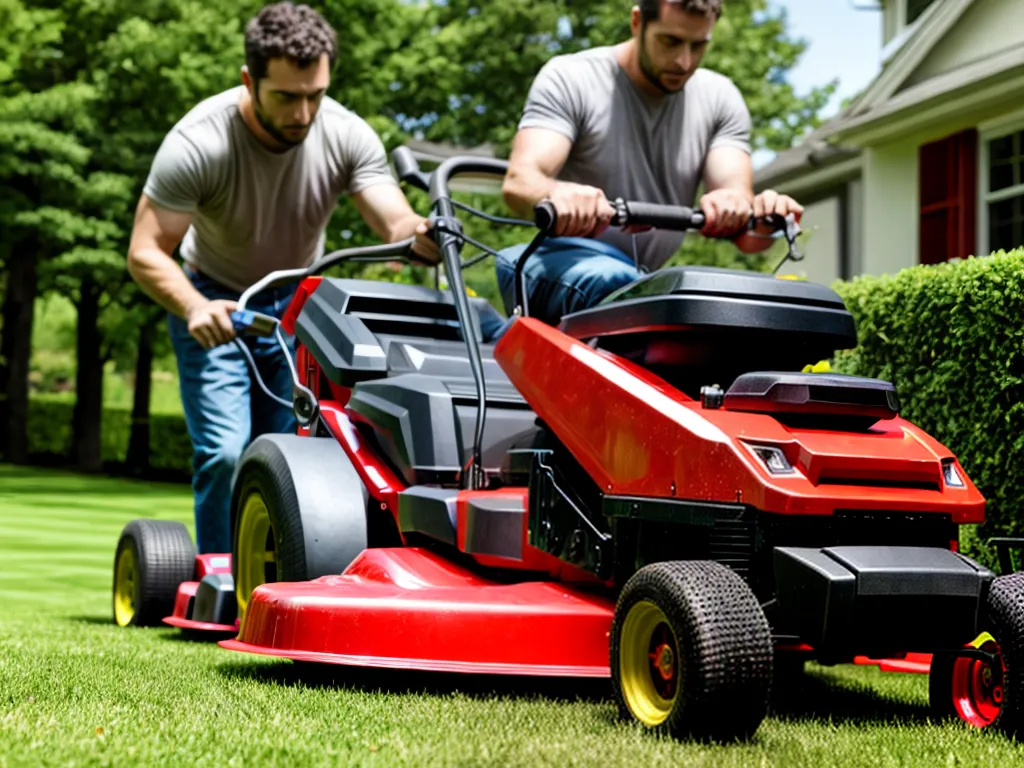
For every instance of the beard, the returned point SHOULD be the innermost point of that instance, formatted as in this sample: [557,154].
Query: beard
[651,72]
[273,130]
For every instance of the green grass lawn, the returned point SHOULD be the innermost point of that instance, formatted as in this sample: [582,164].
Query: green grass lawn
[74,689]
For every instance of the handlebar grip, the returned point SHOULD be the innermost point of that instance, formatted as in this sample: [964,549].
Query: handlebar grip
[658,216]
[406,166]
[545,216]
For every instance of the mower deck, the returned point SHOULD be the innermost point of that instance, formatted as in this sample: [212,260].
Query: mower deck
[209,597]
[409,608]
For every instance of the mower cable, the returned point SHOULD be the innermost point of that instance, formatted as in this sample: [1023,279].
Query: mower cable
[487,251]
[491,218]
[576,509]
[256,374]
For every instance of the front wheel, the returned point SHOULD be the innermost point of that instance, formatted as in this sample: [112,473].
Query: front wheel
[987,689]
[691,652]
[152,559]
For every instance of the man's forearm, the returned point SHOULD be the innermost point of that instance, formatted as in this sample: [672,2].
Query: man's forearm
[523,189]
[163,281]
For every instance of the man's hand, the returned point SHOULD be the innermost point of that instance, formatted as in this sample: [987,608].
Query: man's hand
[727,211]
[210,322]
[771,202]
[425,247]
[582,211]
[385,208]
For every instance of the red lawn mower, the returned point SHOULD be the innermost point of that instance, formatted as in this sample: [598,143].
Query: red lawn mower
[654,491]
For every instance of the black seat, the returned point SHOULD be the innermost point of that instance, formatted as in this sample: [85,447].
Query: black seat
[705,325]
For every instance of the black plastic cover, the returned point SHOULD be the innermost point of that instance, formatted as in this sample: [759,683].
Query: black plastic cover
[429,512]
[814,394]
[425,424]
[215,600]
[351,325]
[495,526]
[879,600]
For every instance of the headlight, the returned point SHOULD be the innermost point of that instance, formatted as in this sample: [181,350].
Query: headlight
[950,475]
[773,459]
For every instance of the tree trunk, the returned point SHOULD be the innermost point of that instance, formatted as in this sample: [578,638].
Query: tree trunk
[138,444]
[16,354]
[88,413]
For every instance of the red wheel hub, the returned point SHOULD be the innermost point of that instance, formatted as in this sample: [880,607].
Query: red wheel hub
[663,664]
[978,687]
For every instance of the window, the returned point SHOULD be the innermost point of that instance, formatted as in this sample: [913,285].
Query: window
[915,8]
[947,190]
[1004,191]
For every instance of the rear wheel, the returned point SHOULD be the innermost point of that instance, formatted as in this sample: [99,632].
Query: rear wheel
[691,652]
[298,512]
[152,559]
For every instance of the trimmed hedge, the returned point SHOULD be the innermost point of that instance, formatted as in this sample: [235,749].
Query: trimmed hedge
[950,337]
[170,449]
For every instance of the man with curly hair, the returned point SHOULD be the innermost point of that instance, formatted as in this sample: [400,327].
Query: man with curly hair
[641,120]
[246,183]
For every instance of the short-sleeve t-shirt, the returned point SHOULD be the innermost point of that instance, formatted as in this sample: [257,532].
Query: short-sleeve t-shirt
[632,145]
[256,210]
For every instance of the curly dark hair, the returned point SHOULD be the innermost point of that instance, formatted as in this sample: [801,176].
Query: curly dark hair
[286,29]
[650,10]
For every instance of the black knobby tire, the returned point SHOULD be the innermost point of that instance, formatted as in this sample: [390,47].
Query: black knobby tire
[266,472]
[940,687]
[1005,621]
[723,642]
[164,557]
[309,495]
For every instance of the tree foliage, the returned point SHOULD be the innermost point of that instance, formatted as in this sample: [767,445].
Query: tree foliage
[89,88]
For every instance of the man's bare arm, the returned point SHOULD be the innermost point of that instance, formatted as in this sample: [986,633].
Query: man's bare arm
[536,159]
[385,208]
[730,200]
[155,235]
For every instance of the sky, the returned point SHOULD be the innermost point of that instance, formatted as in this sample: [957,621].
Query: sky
[843,43]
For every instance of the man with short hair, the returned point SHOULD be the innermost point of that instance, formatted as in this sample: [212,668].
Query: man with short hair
[246,183]
[641,121]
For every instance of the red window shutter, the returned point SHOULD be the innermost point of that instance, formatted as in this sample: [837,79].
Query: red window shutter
[947,185]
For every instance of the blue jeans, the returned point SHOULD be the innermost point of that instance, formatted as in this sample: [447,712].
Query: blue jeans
[564,275]
[225,408]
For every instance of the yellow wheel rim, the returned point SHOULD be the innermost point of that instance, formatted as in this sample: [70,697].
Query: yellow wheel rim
[257,559]
[649,662]
[124,586]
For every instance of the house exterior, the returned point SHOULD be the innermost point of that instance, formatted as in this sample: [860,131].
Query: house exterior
[927,163]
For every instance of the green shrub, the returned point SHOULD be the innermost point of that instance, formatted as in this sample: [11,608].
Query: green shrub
[49,426]
[950,337]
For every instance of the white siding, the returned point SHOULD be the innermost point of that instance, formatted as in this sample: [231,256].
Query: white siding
[890,207]
[821,247]
[986,28]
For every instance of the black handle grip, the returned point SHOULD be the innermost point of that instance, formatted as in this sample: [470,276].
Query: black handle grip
[407,167]
[658,216]
[545,216]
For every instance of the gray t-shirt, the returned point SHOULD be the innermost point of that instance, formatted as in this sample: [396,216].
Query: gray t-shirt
[257,211]
[631,145]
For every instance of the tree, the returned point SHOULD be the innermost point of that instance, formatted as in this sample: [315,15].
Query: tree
[146,73]
[42,162]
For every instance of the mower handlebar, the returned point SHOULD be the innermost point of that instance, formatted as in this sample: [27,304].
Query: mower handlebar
[631,214]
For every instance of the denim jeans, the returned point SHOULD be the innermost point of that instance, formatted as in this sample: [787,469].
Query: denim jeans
[225,407]
[564,275]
